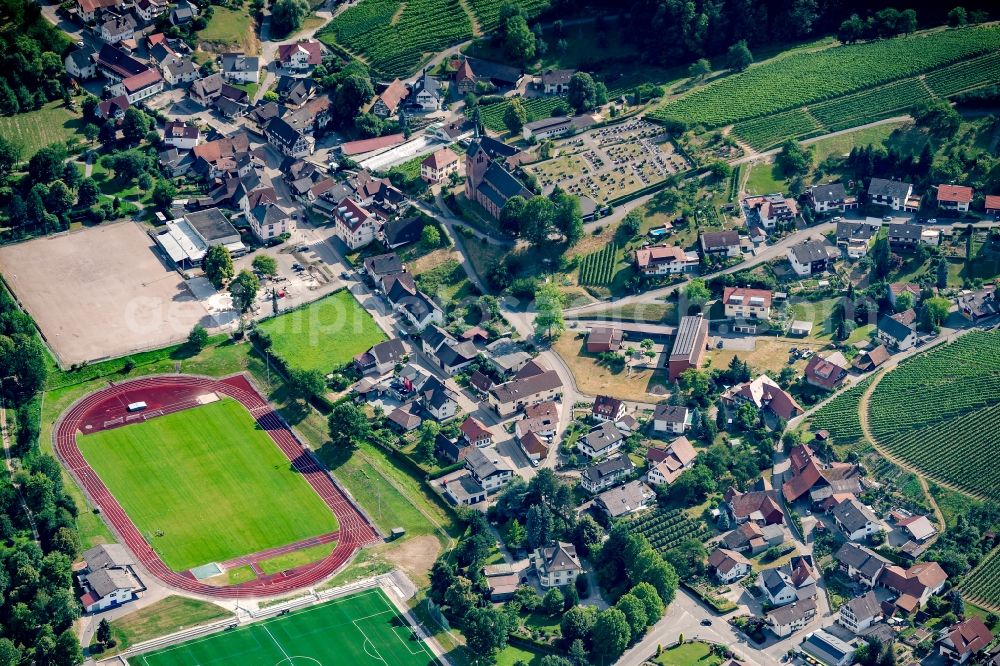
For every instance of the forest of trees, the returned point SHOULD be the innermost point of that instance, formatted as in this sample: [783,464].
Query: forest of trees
[31,58]
[670,32]
[38,538]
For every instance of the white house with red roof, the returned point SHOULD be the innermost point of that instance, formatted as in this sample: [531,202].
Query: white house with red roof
[962,641]
[439,165]
[665,260]
[140,86]
[353,224]
[954,197]
[992,204]
[301,55]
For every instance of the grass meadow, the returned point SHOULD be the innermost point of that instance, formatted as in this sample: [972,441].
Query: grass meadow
[323,335]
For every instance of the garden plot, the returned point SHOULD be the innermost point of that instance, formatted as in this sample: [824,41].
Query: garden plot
[611,162]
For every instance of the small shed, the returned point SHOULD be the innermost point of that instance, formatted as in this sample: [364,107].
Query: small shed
[396,533]
[800,327]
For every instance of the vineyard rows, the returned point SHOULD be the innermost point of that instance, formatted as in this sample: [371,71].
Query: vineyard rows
[769,131]
[840,415]
[396,47]
[667,529]
[488,11]
[983,585]
[536,108]
[806,78]
[598,268]
[865,107]
[950,427]
[956,378]
[965,75]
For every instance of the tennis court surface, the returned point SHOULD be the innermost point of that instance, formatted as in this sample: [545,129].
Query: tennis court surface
[357,630]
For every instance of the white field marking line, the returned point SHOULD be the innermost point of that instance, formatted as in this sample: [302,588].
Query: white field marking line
[378,655]
[276,618]
[406,623]
[280,646]
[405,644]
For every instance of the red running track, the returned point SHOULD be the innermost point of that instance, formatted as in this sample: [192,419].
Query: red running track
[102,406]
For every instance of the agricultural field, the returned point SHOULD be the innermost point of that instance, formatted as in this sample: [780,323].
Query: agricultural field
[536,108]
[965,75]
[394,37]
[598,269]
[324,334]
[53,123]
[488,11]
[206,484]
[667,529]
[983,584]
[804,78]
[949,428]
[840,415]
[769,131]
[871,105]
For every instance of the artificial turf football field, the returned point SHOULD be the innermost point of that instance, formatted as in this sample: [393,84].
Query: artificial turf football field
[216,485]
[324,334]
[357,630]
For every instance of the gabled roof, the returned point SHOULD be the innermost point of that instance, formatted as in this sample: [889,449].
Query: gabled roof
[717,240]
[311,47]
[107,555]
[178,129]
[865,607]
[607,406]
[239,62]
[968,636]
[383,264]
[474,430]
[394,93]
[526,387]
[625,499]
[992,201]
[691,336]
[865,560]
[828,192]
[560,556]
[440,158]
[894,328]
[888,188]
[853,515]
[745,296]
[118,61]
[670,413]
[809,251]
[598,472]
[954,193]
[724,560]
[603,437]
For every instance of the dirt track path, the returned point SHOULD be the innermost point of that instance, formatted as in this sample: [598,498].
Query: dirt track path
[866,430]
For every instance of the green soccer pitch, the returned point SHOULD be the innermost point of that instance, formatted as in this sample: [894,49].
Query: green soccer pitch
[324,334]
[210,480]
[357,630]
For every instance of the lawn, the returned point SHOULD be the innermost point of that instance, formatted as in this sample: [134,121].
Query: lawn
[163,617]
[688,654]
[764,179]
[232,28]
[512,655]
[841,145]
[240,574]
[345,630]
[208,483]
[323,335]
[296,558]
[596,379]
[53,123]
